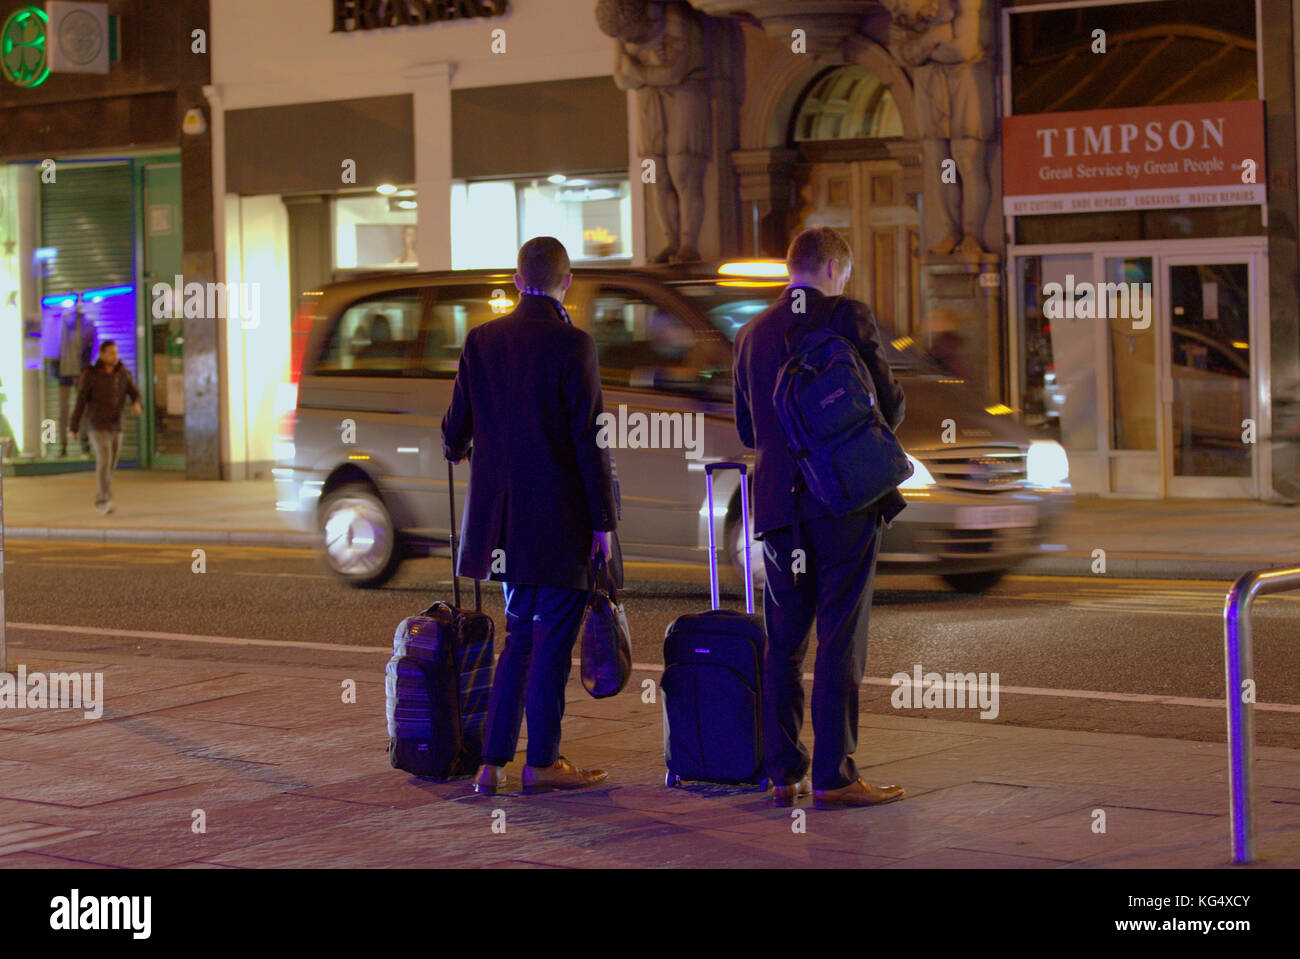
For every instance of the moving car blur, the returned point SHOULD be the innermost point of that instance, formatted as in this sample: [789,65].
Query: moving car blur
[360,461]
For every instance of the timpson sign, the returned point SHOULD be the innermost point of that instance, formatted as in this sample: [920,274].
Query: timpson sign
[1184,155]
[350,15]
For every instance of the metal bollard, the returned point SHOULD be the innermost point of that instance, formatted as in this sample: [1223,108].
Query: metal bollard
[1238,669]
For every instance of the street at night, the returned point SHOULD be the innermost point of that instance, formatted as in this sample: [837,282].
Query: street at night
[1072,653]
[717,442]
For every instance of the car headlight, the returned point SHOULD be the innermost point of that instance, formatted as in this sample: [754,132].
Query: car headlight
[1047,464]
[920,477]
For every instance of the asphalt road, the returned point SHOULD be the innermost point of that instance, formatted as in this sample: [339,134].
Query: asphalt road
[1070,653]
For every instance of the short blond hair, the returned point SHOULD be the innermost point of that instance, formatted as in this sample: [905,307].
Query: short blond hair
[815,247]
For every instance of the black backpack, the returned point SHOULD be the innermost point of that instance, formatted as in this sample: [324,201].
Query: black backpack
[826,401]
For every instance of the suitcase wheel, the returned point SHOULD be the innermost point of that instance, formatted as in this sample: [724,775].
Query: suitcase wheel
[671,781]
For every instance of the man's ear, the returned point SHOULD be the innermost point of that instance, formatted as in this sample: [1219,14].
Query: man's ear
[519,283]
[568,279]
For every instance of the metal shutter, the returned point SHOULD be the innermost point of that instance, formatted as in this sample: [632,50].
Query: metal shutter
[87,215]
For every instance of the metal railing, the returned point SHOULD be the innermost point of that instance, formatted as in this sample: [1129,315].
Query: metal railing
[1239,680]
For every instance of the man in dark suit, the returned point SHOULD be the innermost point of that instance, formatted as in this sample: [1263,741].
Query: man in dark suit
[818,565]
[541,503]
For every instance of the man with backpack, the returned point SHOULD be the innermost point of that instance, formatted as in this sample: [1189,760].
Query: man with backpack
[820,563]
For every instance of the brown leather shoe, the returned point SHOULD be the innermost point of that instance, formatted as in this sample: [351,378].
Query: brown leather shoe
[562,775]
[860,793]
[490,778]
[791,793]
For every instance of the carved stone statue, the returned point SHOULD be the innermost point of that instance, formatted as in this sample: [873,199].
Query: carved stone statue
[661,54]
[947,43]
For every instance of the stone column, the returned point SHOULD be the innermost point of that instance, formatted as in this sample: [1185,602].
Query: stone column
[431,86]
[201,349]
[766,189]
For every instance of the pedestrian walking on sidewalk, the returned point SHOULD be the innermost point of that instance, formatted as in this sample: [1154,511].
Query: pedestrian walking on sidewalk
[541,503]
[820,567]
[101,396]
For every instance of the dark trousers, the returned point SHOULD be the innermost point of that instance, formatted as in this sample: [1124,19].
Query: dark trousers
[541,626]
[835,590]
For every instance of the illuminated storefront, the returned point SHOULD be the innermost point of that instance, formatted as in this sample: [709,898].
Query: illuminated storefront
[93,168]
[1137,181]
[395,146]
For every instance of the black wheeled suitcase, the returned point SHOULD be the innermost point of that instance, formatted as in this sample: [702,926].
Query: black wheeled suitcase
[439,681]
[712,686]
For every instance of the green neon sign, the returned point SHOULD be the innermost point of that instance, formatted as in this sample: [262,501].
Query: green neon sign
[22,47]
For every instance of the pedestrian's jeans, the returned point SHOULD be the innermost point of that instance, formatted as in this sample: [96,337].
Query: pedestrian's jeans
[541,626]
[106,444]
[838,565]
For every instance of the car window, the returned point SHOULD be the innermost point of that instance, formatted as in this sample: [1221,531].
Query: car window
[729,305]
[455,311]
[375,337]
[635,336]
[729,308]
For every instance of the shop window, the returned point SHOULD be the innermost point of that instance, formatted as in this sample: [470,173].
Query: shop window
[590,214]
[376,337]
[1210,366]
[1172,51]
[1132,362]
[1059,395]
[455,311]
[375,231]
[1182,223]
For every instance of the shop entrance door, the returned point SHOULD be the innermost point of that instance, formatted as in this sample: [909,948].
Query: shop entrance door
[864,201]
[1154,376]
[1181,403]
[1209,339]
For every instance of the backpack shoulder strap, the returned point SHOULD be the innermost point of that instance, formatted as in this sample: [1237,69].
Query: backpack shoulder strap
[815,320]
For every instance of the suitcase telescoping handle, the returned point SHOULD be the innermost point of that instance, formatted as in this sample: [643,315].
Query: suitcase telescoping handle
[744,522]
[455,545]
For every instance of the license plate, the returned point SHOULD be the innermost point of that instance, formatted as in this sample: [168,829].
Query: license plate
[995,517]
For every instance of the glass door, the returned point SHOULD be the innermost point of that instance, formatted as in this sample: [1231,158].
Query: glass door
[1208,404]
[1126,310]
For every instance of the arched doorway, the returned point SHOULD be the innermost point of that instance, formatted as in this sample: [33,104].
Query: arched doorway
[853,171]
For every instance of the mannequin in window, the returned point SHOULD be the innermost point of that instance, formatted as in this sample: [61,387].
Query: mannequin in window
[408,257]
[77,337]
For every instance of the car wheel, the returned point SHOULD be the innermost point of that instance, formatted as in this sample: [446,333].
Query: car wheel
[974,582]
[357,536]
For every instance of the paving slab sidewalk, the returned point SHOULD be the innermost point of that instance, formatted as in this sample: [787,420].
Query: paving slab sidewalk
[287,774]
[1217,539]
[151,506]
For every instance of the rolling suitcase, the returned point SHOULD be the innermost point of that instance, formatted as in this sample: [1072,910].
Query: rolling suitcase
[439,681]
[712,686]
